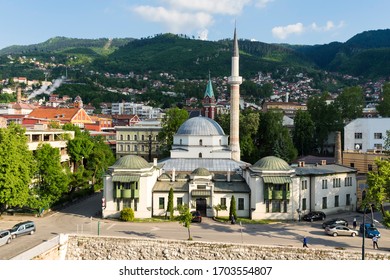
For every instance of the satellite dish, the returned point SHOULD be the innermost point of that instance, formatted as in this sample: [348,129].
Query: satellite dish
[357,147]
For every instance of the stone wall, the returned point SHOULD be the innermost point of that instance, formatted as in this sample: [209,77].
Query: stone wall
[115,248]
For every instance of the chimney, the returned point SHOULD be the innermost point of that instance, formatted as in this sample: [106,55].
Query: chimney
[228,175]
[338,157]
[19,95]
[173,175]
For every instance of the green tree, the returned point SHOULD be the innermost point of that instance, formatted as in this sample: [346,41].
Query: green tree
[303,132]
[219,207]
[326,118]
[383,106]
[100,158]
[80,148]
[350,103]
[185,218]
[17,167]
[51,182]
[378,183]
[233,208]
[170,204]
[249,125]
[273,138]
[171,122]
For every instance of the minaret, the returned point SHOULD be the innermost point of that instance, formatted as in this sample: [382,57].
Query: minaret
[234,81]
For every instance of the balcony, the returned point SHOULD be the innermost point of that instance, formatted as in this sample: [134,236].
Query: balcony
[126,193]
[281,195]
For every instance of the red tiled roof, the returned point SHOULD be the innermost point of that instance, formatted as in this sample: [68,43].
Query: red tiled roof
[63,114]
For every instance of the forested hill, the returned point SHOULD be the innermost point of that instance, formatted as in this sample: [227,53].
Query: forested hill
[59,44]
[193,58]
[365,54]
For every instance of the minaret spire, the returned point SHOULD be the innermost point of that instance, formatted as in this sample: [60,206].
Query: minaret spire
[235,80]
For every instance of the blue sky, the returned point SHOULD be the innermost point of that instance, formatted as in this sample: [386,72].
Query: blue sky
[308,22]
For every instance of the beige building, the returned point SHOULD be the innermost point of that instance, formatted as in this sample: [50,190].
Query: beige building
[140,140]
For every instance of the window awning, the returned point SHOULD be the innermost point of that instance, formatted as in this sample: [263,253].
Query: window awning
[277,180]
[202,193]
[125,178]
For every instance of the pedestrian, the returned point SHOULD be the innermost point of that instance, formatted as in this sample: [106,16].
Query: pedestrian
[375,242]
[305,242]
[232,219]
[354,223]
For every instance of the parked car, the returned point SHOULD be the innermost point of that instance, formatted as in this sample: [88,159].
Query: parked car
[314,216]
[338,221]
[23,228]
[336,230]
[371,230]
[5,237]
[196,217]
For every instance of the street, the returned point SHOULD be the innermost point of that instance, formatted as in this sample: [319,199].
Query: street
[81,218]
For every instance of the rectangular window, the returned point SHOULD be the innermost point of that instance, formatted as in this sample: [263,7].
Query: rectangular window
[348,199]
[336,182]
[223,202]
[304,185]
[336,201]
[179,201]
[324,203]
[378,146]
[161,203]
[276,206]
[304,207]
[378,135]
[240,204]
[369,167]
[348,181]
[358,135]
[352,165]
[324,184]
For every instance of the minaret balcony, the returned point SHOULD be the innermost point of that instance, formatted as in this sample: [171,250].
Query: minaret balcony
[235,80]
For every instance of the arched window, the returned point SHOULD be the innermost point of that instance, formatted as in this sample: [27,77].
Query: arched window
[220,142]
[128,148]
[200,142]
[121,137]
[143,137]
[135,137]
[200,155]
[128,137]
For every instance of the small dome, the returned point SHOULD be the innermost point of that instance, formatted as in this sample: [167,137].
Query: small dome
[200,126]
[272,163]
[131,162]
[201,172]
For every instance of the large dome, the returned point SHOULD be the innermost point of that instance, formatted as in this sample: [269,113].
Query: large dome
[200,126]
[131,162]
[272,163]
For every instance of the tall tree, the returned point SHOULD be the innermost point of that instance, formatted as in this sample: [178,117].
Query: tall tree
[16,167]
[378,183]
[171,122]
[232,208]
[100,158]
[274,138]
[350,103]
[383,106]
[51,181]
[303,132]
[170,204]
[326,118]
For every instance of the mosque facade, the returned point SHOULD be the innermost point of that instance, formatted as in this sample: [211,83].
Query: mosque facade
[204,170]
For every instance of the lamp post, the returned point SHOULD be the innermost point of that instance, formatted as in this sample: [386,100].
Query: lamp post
[364,230]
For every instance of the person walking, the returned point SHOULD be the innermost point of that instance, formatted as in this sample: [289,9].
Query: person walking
[354,223]
[375,242]
[305,242]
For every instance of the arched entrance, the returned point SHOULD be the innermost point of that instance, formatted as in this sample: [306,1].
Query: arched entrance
[201,205]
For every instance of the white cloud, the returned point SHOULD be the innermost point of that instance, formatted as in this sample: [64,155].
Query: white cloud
[225,7]
[203,34]
[262,3]
[282,32]
[175,21]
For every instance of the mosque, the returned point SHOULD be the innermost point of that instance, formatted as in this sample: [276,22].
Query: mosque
[204,170]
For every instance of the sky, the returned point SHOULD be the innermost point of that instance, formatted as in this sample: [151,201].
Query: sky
[304,22]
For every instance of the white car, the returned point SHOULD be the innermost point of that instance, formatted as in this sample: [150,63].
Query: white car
[5,237]
[336,230]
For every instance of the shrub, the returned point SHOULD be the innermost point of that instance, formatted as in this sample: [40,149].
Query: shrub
[127,215]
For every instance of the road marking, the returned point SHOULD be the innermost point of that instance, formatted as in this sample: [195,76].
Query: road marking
[110,226]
